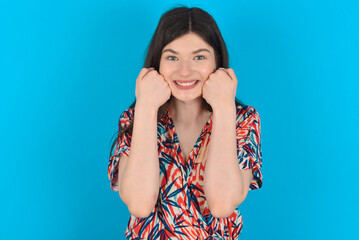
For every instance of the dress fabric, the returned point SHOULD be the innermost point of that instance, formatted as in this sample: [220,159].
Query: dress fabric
[181,211]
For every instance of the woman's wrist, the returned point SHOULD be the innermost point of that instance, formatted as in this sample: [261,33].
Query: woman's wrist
[146,107]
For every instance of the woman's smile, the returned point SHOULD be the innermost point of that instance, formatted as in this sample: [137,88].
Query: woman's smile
[185,85]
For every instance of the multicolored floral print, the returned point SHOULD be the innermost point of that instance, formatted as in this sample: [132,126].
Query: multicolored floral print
[181,211]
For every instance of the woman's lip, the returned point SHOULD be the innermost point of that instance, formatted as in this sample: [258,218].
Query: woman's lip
[187,87]
[185,81]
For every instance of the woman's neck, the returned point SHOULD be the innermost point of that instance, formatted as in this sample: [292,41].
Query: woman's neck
[188,113]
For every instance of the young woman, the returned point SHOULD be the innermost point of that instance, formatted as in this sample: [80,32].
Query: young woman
[187,150]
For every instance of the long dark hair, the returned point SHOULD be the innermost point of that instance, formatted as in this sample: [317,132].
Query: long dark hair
[173,24]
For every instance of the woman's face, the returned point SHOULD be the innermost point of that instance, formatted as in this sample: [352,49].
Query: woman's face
[187,59]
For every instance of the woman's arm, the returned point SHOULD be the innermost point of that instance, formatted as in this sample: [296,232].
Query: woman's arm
[139,183]
[225,184]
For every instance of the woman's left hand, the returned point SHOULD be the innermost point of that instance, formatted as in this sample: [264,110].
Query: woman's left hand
[219,90]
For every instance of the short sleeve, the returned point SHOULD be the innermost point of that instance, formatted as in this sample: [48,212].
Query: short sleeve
[122,148]
[249,151]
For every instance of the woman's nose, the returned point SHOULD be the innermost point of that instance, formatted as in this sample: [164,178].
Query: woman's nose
[185,68]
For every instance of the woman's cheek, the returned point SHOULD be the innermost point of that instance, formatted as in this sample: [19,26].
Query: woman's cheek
[163,68]
[165,75]
[205,73]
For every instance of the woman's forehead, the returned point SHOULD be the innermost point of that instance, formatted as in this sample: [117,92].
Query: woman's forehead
[189,43]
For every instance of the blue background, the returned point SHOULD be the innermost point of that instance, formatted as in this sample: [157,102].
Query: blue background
[68,70]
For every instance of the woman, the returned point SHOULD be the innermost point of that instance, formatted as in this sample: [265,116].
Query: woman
[185,161]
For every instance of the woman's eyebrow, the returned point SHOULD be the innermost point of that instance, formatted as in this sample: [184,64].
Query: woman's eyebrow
[170,50]
[201,50]
[195,52]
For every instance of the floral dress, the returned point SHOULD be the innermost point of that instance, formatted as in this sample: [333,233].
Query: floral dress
[181,211]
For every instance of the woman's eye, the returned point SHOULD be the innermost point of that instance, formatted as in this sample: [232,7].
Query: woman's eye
[171,58]
[199,57]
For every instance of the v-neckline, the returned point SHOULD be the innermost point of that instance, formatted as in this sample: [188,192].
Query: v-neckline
[197,143]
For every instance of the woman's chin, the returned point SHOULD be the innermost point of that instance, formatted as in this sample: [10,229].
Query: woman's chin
[187,97]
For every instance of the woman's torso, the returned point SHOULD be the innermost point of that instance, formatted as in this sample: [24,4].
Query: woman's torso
[181,211]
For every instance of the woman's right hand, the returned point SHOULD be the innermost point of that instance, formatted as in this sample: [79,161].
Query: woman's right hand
[151,88]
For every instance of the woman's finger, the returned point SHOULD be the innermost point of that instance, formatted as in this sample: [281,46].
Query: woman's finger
[144,71]
[230,73]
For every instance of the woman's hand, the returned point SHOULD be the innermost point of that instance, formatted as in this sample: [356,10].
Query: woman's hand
[219,90]
[151,88]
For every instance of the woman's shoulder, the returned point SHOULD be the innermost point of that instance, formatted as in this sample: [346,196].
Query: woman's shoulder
[126,117]
[246,112]
[127,114]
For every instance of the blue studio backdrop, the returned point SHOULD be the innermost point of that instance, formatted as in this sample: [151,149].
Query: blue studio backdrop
[68,70]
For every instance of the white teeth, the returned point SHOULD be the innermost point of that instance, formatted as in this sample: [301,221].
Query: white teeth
[186,84]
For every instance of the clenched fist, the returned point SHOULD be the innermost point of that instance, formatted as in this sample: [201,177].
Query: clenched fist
[151,88]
